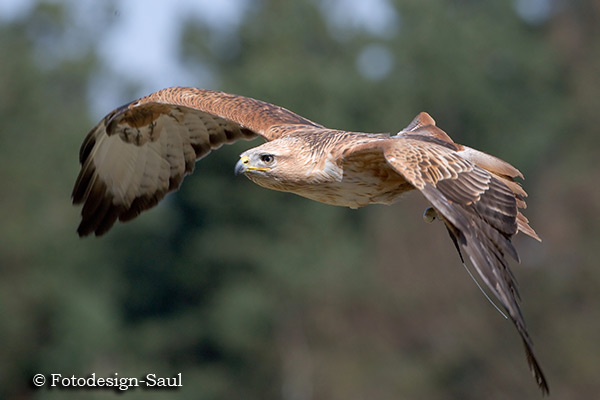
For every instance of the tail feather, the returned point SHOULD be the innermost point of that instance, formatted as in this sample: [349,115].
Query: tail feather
[523,225]
[505,173]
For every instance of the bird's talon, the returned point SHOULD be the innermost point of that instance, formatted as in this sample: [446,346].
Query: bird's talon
[429,215]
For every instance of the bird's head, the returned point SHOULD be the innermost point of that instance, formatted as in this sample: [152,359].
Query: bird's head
[273,165]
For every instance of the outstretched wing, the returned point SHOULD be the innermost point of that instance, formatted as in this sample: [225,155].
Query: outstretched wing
[141,151]
[479,210]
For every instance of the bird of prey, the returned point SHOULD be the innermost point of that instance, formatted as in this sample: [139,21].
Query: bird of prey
[141,151]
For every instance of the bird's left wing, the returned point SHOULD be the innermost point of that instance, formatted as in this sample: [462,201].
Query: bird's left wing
[479,210]
[141,151]
[424,125]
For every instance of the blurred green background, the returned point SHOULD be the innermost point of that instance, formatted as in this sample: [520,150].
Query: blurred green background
[254,294]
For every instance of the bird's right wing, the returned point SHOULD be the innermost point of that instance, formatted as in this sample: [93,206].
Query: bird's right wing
[141,151]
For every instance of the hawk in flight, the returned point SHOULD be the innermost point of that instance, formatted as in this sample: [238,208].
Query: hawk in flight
[141,151]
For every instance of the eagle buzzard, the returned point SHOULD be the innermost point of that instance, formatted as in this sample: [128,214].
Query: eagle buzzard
[141,151]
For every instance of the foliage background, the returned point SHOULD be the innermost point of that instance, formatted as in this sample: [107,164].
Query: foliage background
[255,294]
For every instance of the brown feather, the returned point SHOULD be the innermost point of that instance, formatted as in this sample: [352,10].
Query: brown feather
[480,210]
[424,124]
[141,151]
[161,137]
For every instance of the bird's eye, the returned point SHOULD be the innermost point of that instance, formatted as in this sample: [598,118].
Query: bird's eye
[267,158]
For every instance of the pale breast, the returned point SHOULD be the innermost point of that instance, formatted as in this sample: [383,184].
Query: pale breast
[360,180]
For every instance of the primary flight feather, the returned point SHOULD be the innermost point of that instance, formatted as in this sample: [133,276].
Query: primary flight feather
[141,151]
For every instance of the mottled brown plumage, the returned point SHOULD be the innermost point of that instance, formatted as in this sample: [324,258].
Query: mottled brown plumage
[141,151]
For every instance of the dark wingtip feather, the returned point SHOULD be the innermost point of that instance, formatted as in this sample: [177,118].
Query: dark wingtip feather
[534,366]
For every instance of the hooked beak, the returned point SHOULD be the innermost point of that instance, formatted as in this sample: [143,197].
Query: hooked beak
[243,166]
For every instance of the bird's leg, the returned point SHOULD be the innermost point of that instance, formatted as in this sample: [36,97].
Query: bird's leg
[429,215]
